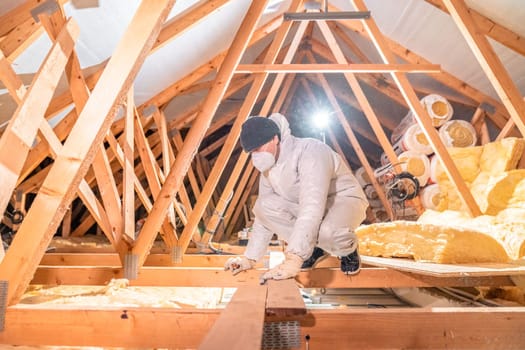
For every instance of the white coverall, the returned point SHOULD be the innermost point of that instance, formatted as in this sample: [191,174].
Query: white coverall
[308,198]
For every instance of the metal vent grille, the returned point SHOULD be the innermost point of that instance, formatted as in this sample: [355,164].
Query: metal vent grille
[281,335]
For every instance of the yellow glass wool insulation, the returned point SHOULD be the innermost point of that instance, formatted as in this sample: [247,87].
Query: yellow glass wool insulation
[498,157]
[427,242]
[508,228]
[466,160]
[506,191]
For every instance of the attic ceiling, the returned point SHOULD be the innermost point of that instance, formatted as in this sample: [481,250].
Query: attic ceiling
[417,25]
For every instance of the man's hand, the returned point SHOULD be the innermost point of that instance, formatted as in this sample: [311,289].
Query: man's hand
[288,269]
[238,264]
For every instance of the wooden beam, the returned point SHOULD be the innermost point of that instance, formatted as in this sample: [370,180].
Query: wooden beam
[421,114]
[133,327]
[185,21]
[175,178]
[217,277]
[492,29]
[337,68]
[240,325]
[11,81]
[23,126]
[284,299]
[490,62]
[20,38]
[73,161]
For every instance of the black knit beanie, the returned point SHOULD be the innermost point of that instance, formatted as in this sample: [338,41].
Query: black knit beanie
[256,131]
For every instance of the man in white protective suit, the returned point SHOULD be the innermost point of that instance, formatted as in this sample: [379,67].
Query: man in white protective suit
[307,196]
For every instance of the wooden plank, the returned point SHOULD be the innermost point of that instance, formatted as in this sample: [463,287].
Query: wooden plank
[337,68]
[490,62]
[131,327]
[240,325]
[22,128]
[284,299]
[422,328]
[128,166]
[217,277]
[11,81]
[492,29]
[447,270]
[76,155]
[175,178]
[425,328]
[185,21]
[20,38]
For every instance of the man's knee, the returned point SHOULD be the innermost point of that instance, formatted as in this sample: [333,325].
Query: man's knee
[270,208]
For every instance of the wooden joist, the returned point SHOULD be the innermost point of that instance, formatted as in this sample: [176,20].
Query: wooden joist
[131,327]
[240,325]
[337,68]
[217,277]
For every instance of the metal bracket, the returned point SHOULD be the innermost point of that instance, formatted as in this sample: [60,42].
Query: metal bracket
[47,7]
[281,335]
[131,264]
[3,302]
[176,255]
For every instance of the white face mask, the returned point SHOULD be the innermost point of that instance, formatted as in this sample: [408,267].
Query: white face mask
[263,161]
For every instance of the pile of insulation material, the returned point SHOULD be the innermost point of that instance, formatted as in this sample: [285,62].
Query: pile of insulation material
[449,234]
[416,157]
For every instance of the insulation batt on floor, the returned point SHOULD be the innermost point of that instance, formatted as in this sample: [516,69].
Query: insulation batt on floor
[449,234]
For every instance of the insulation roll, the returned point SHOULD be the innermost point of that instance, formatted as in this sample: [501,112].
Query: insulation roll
[458,133]
[439,109]
[430,197]
[362,177]
[417,164]
[433,170]
[413,140]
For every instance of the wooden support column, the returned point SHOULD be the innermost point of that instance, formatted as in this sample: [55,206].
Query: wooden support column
[23,126]
[421,114]
[490,63]
[79,149]
[182,163]
[128,166]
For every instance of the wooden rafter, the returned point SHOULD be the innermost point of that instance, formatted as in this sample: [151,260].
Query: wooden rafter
[491,65]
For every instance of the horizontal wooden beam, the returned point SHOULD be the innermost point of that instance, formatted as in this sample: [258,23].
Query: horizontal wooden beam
[399,328]
[338,68]
[217,277]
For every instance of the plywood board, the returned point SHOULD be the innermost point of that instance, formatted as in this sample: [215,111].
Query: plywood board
[447,270]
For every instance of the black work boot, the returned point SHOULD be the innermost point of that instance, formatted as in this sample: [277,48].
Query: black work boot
[317,256]
[351,264]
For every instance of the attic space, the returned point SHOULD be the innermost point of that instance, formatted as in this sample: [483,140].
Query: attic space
[133,197]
